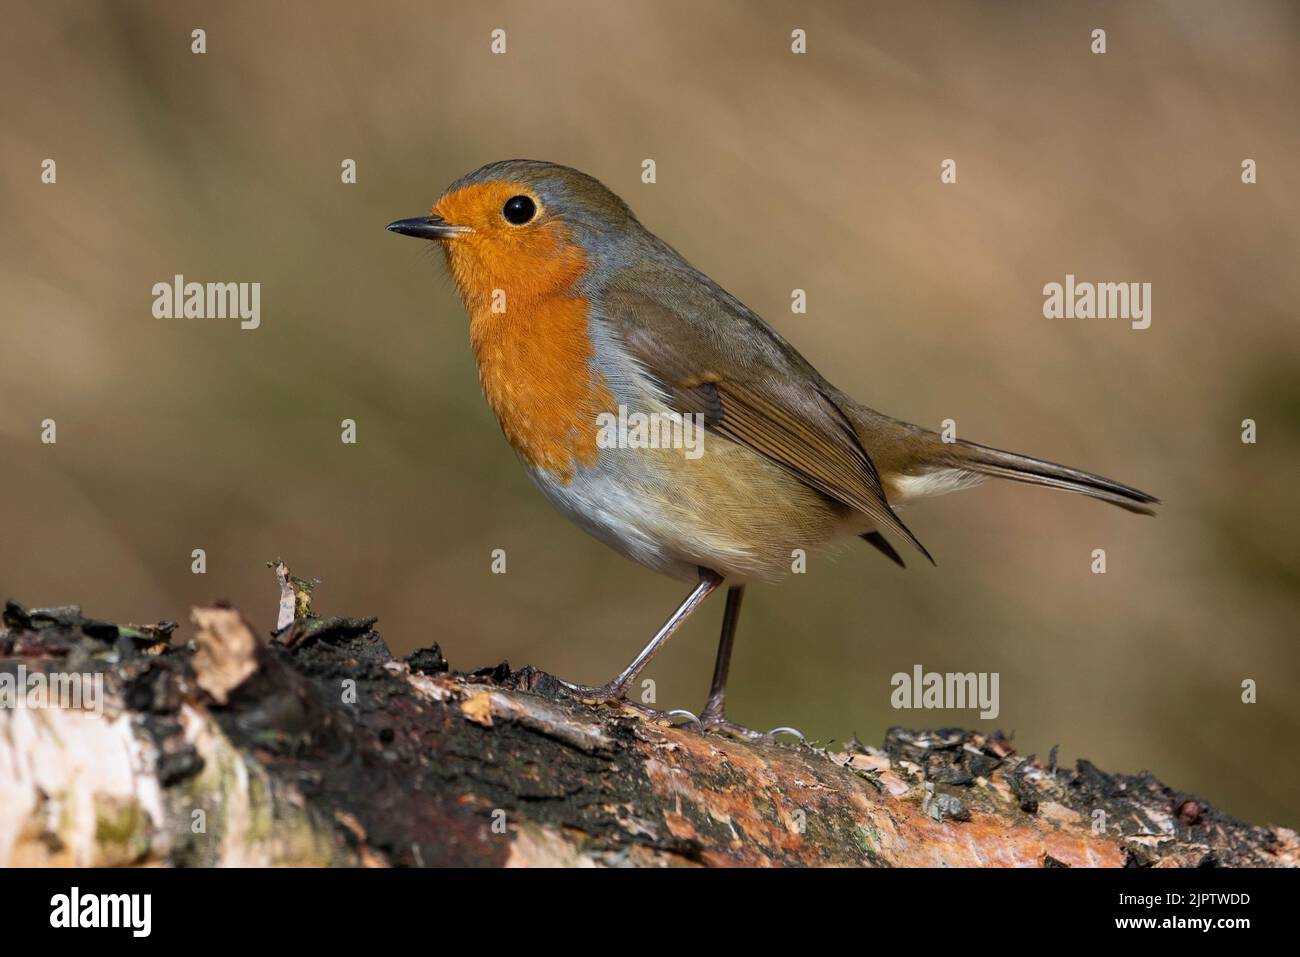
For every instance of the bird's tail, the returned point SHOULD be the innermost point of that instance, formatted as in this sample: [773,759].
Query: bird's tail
[914,462]
[983,460]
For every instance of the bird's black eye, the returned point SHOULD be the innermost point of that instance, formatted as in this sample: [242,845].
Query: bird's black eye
[519,210]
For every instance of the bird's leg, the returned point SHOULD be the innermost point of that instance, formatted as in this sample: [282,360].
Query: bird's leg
[713,718]
[616,690]
[717,702]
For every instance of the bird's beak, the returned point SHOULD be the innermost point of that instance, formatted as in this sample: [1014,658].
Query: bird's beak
[427,227]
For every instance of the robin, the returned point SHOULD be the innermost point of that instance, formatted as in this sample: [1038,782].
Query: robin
[581,317]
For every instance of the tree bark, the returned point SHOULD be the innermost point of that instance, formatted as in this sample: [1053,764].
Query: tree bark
[317,747]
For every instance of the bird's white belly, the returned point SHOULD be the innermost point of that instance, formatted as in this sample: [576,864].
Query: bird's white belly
[618,515]
[735,514]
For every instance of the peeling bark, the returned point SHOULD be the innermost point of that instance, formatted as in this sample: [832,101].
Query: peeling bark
[317,747]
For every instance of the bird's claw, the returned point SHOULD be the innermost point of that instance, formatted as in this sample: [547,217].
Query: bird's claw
[605,694]
[615,696]
[785,729]
[708,721]
[666,717]
[720,725]
[690,716]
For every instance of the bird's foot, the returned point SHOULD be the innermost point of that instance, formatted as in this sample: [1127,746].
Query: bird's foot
[676,717]
[717,723]
[711,720]
[612,693]
[615,695]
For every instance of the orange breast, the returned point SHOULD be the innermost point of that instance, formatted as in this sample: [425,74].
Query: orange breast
[535,356]
[537,374]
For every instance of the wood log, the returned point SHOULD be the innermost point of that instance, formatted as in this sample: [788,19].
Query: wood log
[315,746]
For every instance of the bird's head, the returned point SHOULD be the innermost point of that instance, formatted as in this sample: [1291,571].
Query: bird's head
[525,227]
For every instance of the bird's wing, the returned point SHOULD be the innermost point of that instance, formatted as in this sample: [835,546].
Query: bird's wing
[710,354]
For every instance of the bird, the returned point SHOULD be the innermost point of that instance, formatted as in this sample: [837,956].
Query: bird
[578,313]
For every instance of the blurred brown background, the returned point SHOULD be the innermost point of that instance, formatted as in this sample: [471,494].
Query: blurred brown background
[775,171]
